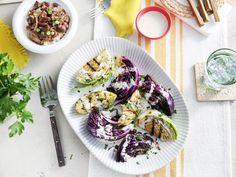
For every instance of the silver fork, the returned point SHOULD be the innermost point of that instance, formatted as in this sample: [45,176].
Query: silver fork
[99,9]
[48,97]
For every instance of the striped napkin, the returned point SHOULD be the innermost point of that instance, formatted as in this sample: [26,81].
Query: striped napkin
[207,150]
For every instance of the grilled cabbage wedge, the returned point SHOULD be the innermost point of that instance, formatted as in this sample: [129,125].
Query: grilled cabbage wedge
[131,109]
[158,124]
[95,100]
[97,71]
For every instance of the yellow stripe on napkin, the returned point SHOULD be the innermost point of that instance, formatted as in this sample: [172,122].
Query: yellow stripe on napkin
[173,49]
[160,54]
[161,172]
[9,44]
[181,90]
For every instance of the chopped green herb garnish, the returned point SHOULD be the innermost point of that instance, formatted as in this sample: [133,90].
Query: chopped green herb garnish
[129,105]
[116,147]
[137,163]
[112,109]
[100,99]
[132,77]
[38,30]
[48,33]
[139,137]
[57,22]
[49,11]
[106,146]
[71,156]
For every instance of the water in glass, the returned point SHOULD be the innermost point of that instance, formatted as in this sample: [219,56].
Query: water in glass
[220,69]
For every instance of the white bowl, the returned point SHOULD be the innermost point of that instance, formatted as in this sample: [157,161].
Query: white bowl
[19,24]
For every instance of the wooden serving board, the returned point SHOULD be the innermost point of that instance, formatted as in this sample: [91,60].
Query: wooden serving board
[205,94]
[187,16]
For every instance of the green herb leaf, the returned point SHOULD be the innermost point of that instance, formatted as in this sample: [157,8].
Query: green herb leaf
[7,105]
[15,92]
[16,128]
[6,65]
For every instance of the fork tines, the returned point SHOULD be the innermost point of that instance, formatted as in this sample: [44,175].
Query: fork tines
[47,88]
[99,9]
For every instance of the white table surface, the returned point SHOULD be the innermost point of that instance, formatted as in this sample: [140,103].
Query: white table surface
[33,153]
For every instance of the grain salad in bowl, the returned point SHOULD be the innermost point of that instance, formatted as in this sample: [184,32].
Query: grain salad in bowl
[45,26]
[47,23]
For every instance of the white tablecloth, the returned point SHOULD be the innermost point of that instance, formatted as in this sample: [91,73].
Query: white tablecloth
[33,153]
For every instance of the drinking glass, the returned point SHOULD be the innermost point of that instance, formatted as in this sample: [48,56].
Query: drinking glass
[220,69]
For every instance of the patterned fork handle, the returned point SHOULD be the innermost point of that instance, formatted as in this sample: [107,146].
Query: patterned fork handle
[56,137]
[48,97]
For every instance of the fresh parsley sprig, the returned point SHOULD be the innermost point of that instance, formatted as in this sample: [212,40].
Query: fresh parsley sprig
[15,92]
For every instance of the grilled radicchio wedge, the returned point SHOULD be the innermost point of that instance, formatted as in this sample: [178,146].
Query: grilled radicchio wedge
[126,79]
[134,144]
[158,124]
[104,127]
[157,96]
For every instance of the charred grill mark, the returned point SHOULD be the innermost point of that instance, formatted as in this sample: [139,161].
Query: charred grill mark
[94,59]
[105,96]
[94,64]
[153,127]
[83,107]
[91,66]
[161,131]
